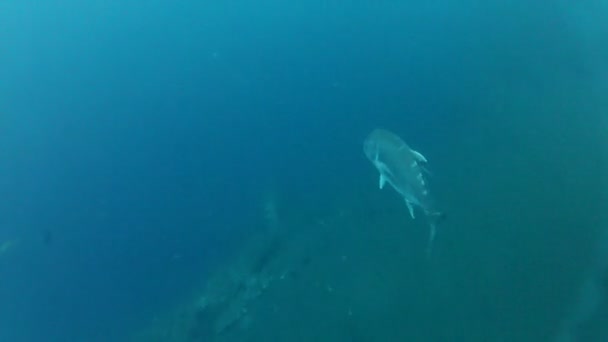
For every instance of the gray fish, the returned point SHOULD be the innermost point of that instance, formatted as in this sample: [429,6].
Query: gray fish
[401,167]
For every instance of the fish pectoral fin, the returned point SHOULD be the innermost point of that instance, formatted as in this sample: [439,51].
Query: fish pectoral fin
[382,181]
[419,157]
[410,207]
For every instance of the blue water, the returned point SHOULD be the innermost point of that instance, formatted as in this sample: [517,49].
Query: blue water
[138,137]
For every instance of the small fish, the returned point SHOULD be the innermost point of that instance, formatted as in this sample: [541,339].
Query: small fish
[402,168]
[47,237]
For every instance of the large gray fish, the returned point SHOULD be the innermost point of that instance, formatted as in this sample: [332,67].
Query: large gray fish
[400,166]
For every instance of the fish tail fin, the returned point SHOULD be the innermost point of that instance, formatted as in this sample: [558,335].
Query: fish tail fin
[434,218]
[432,233]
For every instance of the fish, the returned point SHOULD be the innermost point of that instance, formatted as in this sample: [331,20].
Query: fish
[6,246]
[403,168]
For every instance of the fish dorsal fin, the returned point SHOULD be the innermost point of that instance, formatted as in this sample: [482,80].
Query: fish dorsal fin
[382,181]
[419,157]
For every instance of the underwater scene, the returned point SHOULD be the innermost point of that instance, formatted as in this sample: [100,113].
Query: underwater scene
[357,171]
